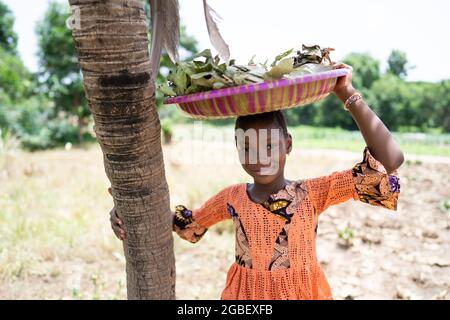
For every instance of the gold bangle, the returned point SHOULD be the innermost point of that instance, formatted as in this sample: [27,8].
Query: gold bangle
[352,99]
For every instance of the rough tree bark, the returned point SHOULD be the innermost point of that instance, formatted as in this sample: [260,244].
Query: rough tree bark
[112,47]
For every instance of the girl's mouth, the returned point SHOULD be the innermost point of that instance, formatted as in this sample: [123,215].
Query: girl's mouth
[255,171]
[259,171]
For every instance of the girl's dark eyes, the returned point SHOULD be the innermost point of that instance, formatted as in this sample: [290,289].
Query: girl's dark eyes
[246,148]
[269,147]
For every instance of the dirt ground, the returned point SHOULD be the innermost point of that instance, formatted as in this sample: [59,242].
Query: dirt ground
[55,241]
[392,255]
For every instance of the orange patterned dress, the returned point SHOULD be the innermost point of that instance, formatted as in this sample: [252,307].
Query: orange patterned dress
[276,240]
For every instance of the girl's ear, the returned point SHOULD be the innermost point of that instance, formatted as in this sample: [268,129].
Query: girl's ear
[289,143]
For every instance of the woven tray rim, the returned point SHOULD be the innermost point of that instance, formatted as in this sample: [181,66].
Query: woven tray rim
[262,86]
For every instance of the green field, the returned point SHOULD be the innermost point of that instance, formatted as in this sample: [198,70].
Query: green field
[336,138]
[339,139]
[56,242]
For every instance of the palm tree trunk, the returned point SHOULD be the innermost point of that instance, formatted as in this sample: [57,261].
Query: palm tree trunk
[112,48]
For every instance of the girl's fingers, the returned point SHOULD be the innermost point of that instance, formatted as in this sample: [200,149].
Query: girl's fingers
[120,233]
[114,216]
[116,221]
[117,225]
[340,65]
[117,216]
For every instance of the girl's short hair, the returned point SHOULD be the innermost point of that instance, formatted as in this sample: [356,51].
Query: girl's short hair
[276,117]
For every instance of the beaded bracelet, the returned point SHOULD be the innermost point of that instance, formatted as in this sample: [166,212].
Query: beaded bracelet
[352,99]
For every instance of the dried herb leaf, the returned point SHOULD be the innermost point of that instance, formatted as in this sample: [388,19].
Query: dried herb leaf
[205,72]
[281,56]
[167,90]
[284,67]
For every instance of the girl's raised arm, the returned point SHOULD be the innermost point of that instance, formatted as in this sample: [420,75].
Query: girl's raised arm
[378,138]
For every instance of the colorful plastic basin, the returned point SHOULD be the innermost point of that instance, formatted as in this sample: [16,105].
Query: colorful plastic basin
[259,97]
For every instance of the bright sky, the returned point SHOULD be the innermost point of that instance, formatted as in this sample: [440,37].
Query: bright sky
[267,28]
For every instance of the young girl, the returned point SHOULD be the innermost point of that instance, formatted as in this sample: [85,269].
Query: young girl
[276,219]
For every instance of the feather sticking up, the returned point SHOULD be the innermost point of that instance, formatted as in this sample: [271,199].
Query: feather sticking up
[165,31]
[171,36]
[156,32]
[212,18]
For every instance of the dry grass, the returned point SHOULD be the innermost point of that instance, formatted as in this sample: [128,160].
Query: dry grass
[56,243]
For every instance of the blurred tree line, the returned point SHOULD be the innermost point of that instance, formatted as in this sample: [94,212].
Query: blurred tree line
[48,108]
[403,106]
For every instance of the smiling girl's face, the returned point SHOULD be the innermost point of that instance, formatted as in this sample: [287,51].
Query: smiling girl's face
[262,144]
